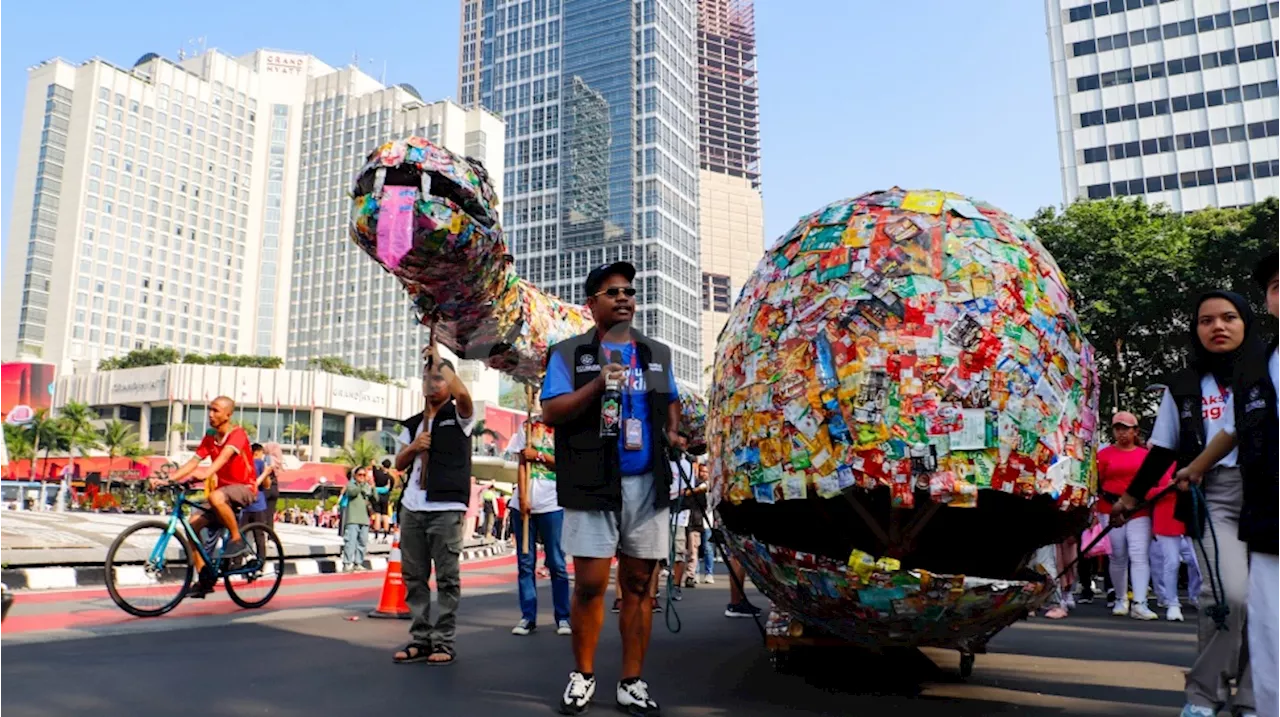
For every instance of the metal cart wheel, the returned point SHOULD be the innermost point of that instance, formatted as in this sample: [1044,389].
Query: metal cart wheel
[966,663]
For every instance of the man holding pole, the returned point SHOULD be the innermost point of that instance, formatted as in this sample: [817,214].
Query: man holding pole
[437,460]
[540,518]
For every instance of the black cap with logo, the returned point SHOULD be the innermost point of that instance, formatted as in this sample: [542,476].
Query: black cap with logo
[604,271]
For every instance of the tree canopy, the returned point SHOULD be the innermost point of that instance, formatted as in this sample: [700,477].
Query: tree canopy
[161,356]
[1135,271]
[333,364]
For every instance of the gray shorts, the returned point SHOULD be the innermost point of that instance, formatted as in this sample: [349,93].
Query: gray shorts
[639,531]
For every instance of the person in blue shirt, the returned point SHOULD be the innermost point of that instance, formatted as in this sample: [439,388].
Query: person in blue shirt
[615,491]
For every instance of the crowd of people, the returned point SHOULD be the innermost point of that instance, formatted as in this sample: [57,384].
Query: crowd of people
[1199,492]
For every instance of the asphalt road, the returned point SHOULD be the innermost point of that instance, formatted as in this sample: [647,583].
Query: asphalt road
[309,659]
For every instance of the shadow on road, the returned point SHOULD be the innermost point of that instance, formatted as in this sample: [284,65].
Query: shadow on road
[307,666]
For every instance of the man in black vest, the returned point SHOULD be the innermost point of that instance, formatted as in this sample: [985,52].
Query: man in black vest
[615,492]
[432,506]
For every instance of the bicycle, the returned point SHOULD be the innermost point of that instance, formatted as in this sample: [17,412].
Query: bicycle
[149,572]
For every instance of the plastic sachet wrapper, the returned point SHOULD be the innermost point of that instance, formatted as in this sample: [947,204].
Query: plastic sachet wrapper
[429,217]
[876,607]
[917,341]
[693,421]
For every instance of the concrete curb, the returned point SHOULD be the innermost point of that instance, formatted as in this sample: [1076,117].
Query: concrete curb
[61,578]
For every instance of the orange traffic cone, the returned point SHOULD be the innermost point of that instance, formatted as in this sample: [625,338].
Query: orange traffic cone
[392,604]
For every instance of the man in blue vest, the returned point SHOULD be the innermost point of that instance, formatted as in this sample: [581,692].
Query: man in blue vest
[615,492]
[437,461]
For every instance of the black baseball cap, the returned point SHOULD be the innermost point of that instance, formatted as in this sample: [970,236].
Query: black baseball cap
[604,271]
[1266,268]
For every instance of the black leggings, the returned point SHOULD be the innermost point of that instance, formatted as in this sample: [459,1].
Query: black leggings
[1087,571]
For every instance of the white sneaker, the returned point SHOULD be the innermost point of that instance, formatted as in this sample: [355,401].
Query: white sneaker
[577,694]
[633,698]
[1173,614]
[563,628]
[1121,609]
[1140,611]
[1190,710]
[709,580]
[524,627]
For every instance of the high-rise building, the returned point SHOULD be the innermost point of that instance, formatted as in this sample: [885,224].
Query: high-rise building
[730,207]
[201,205]
[1173,100]
[728,91]
[143,214]
[600,154]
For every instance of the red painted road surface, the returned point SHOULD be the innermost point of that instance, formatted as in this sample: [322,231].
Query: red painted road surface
[90,607]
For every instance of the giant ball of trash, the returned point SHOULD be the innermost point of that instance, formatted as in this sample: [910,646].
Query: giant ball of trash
[919,345]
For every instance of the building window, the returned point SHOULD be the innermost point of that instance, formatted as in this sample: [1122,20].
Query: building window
[715,293]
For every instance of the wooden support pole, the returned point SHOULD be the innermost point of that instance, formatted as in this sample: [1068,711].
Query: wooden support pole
[523,472]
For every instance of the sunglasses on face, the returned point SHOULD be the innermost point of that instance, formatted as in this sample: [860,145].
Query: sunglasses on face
[614,291]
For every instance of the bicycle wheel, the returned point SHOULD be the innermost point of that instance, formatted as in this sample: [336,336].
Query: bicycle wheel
[252,580]
[148,570]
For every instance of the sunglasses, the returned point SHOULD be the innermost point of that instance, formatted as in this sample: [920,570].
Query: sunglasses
[614,291]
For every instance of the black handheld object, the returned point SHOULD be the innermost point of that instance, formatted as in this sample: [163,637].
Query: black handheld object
[611,405]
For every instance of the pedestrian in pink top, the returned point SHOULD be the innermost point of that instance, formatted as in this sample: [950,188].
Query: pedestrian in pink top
[1118,463]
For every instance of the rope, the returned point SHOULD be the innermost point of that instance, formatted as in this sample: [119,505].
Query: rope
[717,539]
[1219,611]
[1083,551]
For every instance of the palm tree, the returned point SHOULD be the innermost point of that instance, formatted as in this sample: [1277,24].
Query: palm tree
[182,428]
[42,428]
[250,429]
[297,432]
[480,430]
[17,442]
[119,440]
[77,420]
[360,453]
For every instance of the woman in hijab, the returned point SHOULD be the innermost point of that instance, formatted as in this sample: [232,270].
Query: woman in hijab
[1196,405]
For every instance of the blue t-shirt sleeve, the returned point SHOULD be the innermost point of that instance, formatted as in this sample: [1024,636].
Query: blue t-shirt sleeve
[557,382]
[671,381]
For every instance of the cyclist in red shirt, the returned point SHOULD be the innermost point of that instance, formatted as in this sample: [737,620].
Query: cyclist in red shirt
[230,485]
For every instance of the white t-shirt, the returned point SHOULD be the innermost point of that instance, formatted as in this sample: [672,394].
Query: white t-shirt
[1216,409]
[681,519]
[542,492]
[414,495]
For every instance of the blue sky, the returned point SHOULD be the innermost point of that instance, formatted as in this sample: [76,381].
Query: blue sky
[855,94]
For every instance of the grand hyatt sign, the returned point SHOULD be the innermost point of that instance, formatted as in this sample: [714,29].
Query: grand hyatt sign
[284,64]
[138,390]
[360,396]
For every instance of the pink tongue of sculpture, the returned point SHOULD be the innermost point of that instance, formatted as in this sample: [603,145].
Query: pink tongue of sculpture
[395,224]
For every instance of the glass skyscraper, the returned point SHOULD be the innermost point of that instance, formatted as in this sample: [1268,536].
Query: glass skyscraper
[599,99]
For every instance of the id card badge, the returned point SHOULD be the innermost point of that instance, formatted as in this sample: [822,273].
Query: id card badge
[633,434]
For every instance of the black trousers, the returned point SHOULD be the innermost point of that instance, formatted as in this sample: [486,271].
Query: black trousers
[266,517]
